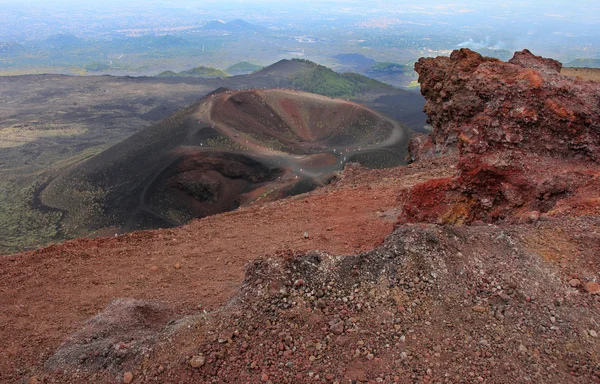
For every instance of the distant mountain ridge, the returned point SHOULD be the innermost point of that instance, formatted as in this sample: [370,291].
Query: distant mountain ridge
[584,63]
[243,68]
[201,71]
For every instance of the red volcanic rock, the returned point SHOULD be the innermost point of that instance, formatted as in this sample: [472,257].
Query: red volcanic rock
[592,287]
[527,140]
[526,59]
[478,104]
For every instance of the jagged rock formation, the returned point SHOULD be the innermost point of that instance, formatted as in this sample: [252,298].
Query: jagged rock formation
[527,138]
[479,104]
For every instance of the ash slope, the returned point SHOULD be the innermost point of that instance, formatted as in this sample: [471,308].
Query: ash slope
[229,149]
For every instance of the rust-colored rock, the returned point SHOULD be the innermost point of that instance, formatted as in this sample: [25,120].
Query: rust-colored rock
[480,105]
[592,287]
[127,378]
[527,140]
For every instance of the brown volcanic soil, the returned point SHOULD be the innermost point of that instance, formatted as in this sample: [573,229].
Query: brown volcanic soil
[583,73]
[44,295]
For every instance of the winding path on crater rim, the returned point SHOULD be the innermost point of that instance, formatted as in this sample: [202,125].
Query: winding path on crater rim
[317,165]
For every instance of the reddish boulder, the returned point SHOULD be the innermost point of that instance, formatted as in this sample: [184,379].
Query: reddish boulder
[478,104]
[527,140]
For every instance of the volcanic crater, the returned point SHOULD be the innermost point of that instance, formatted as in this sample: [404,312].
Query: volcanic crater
[231,148]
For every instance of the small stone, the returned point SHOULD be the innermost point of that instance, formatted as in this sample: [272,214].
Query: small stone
[299,283]
[177,266]
[318,346]
[522,348]
[197,361]
[479,309]
[593,333]
[403,356]
[370,356]
[305,235]
[574,283]
[127,377]
[504,297]
[154,268]
[264,378]
[592,287]
[33,380]
[337,328]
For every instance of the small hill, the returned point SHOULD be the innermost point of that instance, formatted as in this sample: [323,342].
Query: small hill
[168,74]
[389,67]
[201,71]
[584,63]
[324,81]
[284,68]
[204,72]
[243,67]
[97,66]
[312,77]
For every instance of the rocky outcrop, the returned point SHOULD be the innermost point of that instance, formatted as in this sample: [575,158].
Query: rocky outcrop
[527,139]
[478,104]
[122,332]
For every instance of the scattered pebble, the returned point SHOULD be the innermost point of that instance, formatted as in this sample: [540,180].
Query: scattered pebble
[592,287]
[197,361]
[479,309]
[127,378]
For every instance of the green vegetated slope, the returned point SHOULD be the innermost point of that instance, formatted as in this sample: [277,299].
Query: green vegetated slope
[387,66]
[205,72]
[319,79]
[244,66]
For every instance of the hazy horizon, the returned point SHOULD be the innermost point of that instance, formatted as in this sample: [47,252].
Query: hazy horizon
[384,31]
